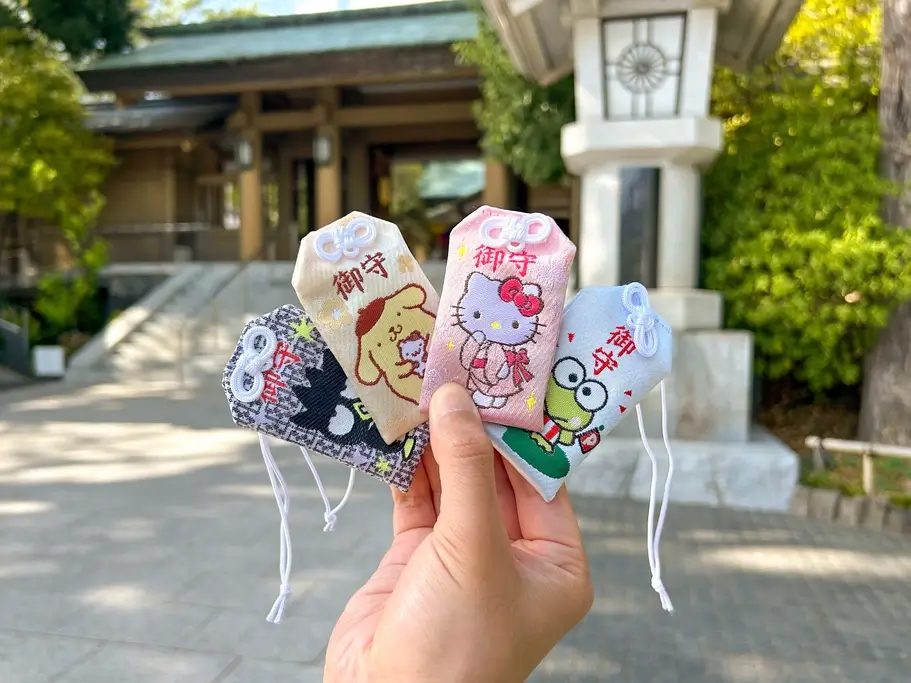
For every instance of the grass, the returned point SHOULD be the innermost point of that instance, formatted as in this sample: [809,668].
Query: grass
[792,415]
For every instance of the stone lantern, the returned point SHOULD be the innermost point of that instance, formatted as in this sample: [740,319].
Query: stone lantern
[643,76]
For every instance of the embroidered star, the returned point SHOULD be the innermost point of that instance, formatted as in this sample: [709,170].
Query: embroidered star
[450,345]
[383,465]
[462,251]
[303,329]
[406,263]
[531,401]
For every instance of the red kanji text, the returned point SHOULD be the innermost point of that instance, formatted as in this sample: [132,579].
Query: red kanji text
[488,256]
[273,382]
[622,338]
[375,263]
[522,260]
[346,281]
[283,356]
[604,360]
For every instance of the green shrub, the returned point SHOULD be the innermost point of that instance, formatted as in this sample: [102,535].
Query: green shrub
[792,234]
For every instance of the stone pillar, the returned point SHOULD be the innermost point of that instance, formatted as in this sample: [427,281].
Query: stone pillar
[678,226]
[251,202]
[599,248]
[497,184]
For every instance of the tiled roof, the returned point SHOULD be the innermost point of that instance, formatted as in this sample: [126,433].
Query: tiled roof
[154,116]
[435,23]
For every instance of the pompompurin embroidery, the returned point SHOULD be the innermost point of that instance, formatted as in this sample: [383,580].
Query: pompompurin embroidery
[383,326]
[505,285]
[375,309]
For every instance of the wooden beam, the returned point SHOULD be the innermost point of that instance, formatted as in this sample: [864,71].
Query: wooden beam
[404,114]
[453,132]
[362,117]
[295,119]
[160,141]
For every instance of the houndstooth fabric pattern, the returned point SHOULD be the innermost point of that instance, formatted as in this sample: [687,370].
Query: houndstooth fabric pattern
[307,400]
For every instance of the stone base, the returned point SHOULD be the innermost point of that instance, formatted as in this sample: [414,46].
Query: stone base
[709,393]
[760,474]
[688,309]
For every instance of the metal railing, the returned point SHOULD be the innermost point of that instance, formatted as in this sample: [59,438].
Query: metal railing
[867,451]
[190,321]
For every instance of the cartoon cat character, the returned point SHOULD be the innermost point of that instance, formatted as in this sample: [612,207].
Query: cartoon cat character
[380,326]
[331,406]
[499,316]
[413,350]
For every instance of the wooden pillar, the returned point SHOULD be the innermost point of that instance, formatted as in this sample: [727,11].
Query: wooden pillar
[497,185]
[251,185]
[329,174]
[357,178]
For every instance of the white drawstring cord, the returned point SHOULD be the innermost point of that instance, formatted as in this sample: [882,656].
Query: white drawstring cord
[331,514]
[283,499]
[654,533]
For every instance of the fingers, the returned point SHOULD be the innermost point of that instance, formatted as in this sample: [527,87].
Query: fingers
[542,521]
[507,498]
[414,509]
[469,508]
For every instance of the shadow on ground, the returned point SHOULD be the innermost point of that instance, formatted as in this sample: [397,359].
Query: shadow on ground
[139,541]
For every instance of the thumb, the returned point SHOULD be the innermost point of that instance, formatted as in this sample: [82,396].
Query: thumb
[469,509]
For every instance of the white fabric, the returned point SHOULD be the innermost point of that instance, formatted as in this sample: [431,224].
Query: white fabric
[613,350]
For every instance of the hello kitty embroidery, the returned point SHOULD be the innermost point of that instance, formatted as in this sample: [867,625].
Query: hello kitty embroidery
[499,318]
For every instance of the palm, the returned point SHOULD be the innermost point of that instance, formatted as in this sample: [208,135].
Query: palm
[541,555]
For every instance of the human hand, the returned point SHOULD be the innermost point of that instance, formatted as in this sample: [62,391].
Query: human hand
[483,577]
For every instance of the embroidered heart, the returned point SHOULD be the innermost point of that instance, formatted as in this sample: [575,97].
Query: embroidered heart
[571,335]
[628,392]
[622,409]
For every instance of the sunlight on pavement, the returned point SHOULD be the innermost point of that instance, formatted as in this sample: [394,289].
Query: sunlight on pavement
[94,453]
[818,562]
[25,507]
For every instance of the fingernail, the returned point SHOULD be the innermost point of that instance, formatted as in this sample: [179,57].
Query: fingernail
[451,398]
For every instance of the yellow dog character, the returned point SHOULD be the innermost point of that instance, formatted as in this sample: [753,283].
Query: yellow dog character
[380,325]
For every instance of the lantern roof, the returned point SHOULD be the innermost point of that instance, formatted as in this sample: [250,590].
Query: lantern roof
[537,34]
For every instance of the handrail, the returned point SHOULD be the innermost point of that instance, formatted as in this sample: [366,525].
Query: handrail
[868,452]
[242,267]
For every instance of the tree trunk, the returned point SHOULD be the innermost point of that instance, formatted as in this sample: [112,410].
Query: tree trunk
[886,406]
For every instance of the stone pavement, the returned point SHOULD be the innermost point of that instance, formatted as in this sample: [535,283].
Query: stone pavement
[139,544]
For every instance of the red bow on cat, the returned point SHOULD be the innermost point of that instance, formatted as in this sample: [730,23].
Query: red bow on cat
[528,304]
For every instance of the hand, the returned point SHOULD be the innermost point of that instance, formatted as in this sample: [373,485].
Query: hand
[483,577]
[479,336]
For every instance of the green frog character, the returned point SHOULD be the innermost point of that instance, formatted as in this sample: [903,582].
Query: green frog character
[569,408]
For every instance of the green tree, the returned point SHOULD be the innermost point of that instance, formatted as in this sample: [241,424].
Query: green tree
[51,166]
[170,12]
[83,28]
[793,236]
[520,121]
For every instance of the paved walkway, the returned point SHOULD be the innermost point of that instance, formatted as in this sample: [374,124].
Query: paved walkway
[139,544]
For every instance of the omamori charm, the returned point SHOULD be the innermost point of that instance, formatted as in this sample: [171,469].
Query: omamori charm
[500,312]
[375,309]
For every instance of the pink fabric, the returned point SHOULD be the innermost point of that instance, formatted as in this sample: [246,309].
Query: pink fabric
[500,313]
